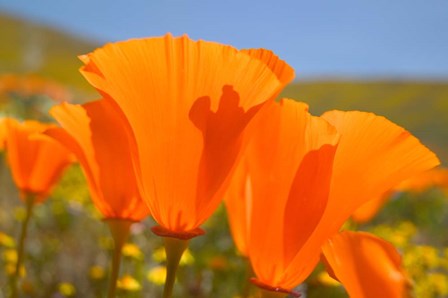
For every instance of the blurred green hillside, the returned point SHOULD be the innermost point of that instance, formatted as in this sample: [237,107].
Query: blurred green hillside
[420,106]
[27,47]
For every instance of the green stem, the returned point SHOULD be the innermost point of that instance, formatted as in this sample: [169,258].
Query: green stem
[29,202]
[174,249]
[119,229]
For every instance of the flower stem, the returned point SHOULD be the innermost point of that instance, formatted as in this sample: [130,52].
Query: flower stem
[174,249]
[29,202]
[119,229]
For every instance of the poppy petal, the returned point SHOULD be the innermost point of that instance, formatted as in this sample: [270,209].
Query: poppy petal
[238,201]
[97,135]
[374,155]
[280,68]
[348,257]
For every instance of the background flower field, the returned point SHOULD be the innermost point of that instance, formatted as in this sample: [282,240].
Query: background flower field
[68,246]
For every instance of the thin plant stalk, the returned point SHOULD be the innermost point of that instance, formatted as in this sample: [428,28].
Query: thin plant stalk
[119,229]
[174,249]
[29,203]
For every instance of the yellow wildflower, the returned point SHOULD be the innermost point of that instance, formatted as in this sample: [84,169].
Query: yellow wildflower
[132,251]
[439,282]
[10,256]
[96,272]
[67,289]
[129,284]
[157,275]
[6,240]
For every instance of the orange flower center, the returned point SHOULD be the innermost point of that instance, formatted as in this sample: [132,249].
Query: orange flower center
[184,235]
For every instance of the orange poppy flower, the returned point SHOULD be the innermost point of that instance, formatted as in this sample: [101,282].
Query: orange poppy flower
[348,259]
[187,103]
[95,133]
[36,161]
[288,162]
[99,135]
[302,190]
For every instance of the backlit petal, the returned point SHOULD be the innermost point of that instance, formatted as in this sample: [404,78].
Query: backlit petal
[366,265]
[280,68]
[373,156]
[238,200]
[97,135]
[187,103]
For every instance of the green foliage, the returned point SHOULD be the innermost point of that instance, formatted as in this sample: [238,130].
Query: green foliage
[27,47]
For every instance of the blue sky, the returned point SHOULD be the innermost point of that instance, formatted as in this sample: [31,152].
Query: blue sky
[348,38]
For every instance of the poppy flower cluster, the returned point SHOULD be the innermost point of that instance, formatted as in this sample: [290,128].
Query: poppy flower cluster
[183,124]
[198,109]
[283,209]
